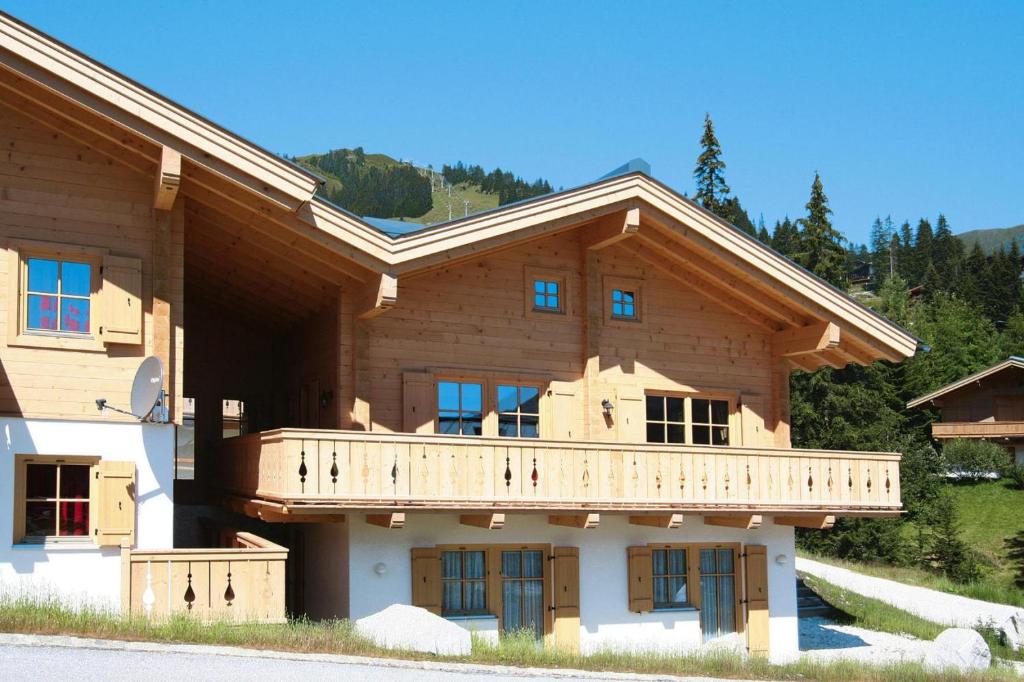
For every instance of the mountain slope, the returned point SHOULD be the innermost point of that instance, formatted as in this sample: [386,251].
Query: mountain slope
[992,239]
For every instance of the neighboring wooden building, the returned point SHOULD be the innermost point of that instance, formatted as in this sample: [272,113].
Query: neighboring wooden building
[987,405]
[569,414]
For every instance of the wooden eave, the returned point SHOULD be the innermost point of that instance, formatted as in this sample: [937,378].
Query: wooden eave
[1013,361]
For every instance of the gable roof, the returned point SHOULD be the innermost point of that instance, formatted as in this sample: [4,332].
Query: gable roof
[677,234]
[1013,361]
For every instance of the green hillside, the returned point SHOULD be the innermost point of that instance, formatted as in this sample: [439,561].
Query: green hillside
[992,239]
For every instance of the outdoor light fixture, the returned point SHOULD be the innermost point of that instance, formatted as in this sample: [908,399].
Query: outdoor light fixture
[380,568]
[781,559]
[607,406]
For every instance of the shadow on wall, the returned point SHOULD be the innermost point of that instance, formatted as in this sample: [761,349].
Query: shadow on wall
[160,455]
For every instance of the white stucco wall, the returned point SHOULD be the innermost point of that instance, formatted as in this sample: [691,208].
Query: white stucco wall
[83,573]
[605,620]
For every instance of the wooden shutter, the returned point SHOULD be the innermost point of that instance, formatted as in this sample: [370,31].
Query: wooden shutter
[121,316]
[630,414]
[641,579]
[567,599]
[426,578]
[563,410]
[418,402]
[752,415]
[756,570]
[112,502]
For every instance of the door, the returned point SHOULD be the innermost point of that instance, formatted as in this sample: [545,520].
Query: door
[717,591]
[522,590]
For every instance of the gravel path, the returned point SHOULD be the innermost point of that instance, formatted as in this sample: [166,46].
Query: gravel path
[939,607]
[822,639]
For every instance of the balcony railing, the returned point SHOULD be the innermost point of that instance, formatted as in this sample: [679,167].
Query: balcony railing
[244,581]
[978,429]
[396,472]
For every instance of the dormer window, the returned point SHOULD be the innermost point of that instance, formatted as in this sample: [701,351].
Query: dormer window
[623,304]
[547,295]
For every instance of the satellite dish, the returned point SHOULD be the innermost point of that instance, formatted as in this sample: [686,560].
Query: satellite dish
[147,393]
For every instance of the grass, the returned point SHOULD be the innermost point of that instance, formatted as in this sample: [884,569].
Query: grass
[339,637]
[990,513]
[478,201]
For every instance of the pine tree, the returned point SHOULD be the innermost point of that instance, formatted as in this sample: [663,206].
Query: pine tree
[923,249]
[821,245]
[785,238]
[882,257]
[712,192]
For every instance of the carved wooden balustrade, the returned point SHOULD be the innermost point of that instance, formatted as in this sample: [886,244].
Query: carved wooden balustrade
[391,471]
[244,581]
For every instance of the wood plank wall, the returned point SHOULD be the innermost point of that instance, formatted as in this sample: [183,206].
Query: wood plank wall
[55,189]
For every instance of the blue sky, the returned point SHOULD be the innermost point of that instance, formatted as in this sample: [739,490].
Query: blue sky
[907,108]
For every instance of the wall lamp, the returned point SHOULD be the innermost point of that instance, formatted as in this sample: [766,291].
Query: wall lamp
[607,406]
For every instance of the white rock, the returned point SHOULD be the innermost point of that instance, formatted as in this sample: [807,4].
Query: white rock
[1012,631]
[959,648]
[401,626]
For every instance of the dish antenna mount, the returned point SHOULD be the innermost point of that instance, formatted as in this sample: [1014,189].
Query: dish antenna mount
[149,402]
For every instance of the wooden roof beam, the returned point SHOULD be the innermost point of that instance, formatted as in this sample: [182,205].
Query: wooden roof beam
[575,520]
[611,229]
[745,521]
[395,521]
[812,338]
[380,295]
[670,521]
[815,521]
[168,179]
[488,521]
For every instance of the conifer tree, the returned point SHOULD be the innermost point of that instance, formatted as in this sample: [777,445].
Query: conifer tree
[712,192]
[821,245]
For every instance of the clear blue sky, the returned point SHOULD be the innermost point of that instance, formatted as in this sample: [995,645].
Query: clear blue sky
[906,108]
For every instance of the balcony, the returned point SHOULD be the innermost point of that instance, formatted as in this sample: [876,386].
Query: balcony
[291,472]
[993,429]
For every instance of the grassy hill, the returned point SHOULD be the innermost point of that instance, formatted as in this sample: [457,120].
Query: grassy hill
[992,239]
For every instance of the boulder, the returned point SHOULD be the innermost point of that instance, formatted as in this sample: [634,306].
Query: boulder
[1012,631]
[960,649]
[401,626]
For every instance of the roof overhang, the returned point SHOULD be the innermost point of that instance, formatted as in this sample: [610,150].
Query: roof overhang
[1012,362]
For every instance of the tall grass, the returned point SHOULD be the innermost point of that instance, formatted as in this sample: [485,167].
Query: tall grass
[49,616]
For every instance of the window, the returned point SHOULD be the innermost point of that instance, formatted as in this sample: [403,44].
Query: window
[623,304]
[710,421]
[522,590]
[717,591]
[547,296]
[56,501]
[669,572]
[666,420]
[57,296]
[518,411]
[460,408]
[463,583]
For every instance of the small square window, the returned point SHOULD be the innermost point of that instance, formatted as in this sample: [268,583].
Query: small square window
[547,295]
[623,304]
[57,296]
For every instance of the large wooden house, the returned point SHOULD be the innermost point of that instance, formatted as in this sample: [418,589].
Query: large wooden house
[568,415]
[987,405]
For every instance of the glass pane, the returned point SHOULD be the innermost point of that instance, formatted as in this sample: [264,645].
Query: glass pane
[674,409]
[617,309]
[552,302]
[720,435]
[511,596]
[655,408]
[677,562]
[451,564]
[511,564]
[472,426]
[74,315]
[40,480]
[660,590]
[702,435]
[658,560]
[40,519]
[725,561]
[42,275]
[529,399]
[75,279]
[74,518]
[451,598]
[533,606]
[476,596]
[42,312]
[553,288]
[474,564]
[628,310]
[472,397]
[74,482]
[448,423]
[707,561]
[616,294]
[538,286]
[508,398]
[538,300]
[508,426]
[677,588]
[726,604]
[627,297]
[719,411]
[709,607]
[701,411]
[655,433]
[533,564]
[529,427]
[447,396]
[676,433]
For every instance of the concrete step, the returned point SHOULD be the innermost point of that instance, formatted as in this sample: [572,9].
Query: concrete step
[810,605]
